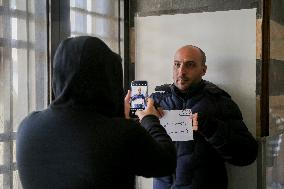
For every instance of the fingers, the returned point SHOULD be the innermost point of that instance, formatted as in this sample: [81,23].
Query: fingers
[127,104]
[150,110]
[161,111]
[194,128]
[138,113]
[195,121]
[195,116]
[150,102]
[127,97]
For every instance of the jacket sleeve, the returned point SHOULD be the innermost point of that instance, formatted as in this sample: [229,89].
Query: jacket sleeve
[153,152]
[229,135]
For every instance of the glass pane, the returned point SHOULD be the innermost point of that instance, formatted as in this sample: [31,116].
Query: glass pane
[78,22]
[79,3]
[104,7]
[72,3]
[31,7]
[1,153]
[2,86]
[20,86]
[1,182]
[89,25]
[72,20]
[274,162]
[100,20]
[105,27]
[89,5]
[1,24]
[275,142]
[14,151]
[1,117]
[21,29]
[18,4]
[14,25]
[31,82]
[16,180]
[13,4]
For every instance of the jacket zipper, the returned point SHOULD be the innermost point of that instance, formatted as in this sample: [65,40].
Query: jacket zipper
[181,99]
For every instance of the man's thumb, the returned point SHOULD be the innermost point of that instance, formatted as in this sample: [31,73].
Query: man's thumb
[150,102]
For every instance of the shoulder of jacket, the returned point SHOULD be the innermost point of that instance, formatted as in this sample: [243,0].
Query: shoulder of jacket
[215,90]
[163,88]
[28,121]
[227,106]
[162,91]
[32,115]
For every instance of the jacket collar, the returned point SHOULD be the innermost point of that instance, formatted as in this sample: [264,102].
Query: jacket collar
[190,92]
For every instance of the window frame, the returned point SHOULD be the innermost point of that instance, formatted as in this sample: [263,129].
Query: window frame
[7,45]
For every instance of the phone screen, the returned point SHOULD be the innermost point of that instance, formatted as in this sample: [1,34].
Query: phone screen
[139,94]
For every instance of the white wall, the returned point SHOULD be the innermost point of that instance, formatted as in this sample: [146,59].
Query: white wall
[229,40]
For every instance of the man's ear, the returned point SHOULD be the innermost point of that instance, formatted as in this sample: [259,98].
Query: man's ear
[204,68]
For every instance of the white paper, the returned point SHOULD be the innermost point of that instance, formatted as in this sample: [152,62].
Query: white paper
[178,124]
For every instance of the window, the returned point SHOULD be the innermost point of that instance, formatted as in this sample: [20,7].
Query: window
[100,18]
[23,75]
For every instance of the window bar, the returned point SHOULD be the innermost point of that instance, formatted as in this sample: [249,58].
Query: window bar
[48,60]
[127,78]
[118,22]
[40,51]
[8,108]
[28,54]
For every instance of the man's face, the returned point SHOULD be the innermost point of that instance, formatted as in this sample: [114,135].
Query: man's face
[139,90]
[188,68]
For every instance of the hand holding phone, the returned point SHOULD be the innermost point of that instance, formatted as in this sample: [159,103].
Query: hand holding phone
[149,110]
[127,105]
[139,94]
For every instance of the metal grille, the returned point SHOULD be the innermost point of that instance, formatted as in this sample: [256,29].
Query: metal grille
[100,18]
[23,75]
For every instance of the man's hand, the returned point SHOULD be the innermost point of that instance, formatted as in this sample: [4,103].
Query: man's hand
[150,110]
[127,104]
[195,121]
[161,111]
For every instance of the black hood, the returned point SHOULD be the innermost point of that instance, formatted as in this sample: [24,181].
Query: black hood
[87,75]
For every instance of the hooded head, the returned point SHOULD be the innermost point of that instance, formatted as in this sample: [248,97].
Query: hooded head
[87,75]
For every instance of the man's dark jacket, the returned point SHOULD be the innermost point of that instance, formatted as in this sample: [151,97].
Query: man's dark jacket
[222,137]
[82,140]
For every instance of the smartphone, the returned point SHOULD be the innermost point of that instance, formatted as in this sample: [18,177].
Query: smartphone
[139,94]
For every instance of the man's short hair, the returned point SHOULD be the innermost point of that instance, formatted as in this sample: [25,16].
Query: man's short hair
[202,54]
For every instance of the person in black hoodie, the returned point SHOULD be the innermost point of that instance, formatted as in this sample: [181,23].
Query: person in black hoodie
[220,135]
[82,140]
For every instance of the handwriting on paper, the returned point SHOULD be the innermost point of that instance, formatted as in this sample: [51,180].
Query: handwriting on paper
[178,124]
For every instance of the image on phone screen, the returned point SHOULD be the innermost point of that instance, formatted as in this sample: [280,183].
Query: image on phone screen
[139,92]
